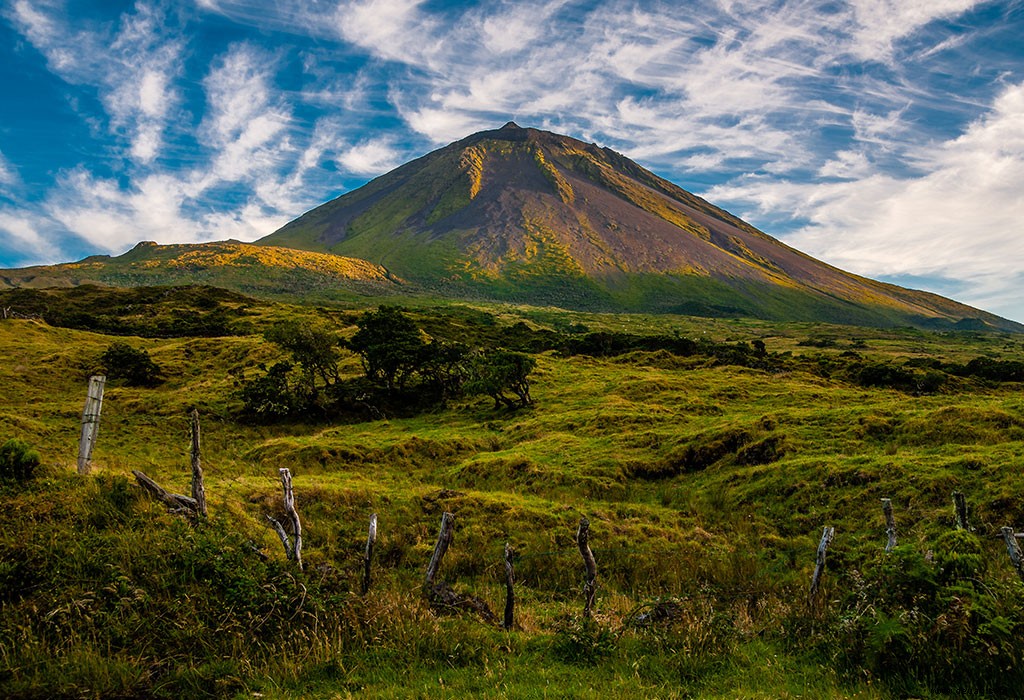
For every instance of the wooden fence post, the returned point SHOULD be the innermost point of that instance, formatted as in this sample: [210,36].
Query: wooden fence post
[293,515]
[90,422]
[1013,549]
[444,538]
[371,539]
[890,524]
[198,488]
[590,583]
[960,506]
[826,538]
[510,600]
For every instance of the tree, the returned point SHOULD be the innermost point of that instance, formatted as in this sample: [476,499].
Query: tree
[496,373]
[313,347]
[390,346]
[135,367]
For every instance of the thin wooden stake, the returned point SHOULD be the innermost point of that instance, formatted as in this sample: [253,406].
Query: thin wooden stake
[590,583]
[293,515]
[960,505]
[510,599]
[198,489]
[1013,549]
[444,539]
[890,524]
[371,539]
[285,541]
[826,538]
[90,422]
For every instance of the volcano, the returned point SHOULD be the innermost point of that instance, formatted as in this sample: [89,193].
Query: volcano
[524,215]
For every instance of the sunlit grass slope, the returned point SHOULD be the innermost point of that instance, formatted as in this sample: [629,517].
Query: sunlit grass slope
[103,594]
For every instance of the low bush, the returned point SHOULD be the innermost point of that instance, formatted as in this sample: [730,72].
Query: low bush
[18,461]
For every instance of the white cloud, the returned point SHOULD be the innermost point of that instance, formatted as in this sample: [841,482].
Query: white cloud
[19,233]
[8,177]
[959,220]
[370,157]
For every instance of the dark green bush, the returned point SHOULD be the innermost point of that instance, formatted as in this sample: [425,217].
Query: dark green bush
[18,462]
[133,366]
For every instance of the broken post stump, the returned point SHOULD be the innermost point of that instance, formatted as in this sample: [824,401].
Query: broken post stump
[510,600]
[960,506]
[90,422]
[175,502]
[826,538]
[371,539]
[198,489]
[890,524]
[282,535]
[1013,549]
[590,582]
[444,539]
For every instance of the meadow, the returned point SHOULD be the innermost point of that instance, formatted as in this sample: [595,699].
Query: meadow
[706,483]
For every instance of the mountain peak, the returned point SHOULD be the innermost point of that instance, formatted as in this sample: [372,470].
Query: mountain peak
[526,215]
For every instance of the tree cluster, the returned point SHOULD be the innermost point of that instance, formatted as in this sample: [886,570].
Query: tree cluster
[404,371]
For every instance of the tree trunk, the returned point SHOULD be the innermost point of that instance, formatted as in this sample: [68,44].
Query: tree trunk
[90,422]
[590,582]
[198,488]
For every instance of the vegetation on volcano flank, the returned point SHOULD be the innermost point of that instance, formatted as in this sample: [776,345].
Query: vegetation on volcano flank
[706,454]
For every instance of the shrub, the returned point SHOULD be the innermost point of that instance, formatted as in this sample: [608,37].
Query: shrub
[17,461]
[134,367]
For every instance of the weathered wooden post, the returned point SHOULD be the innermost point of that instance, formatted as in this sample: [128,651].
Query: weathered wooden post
[590,583]
[293,516]
[1013,549]
[960,505]
[510,600]
[826,538]
[90,422]
[198,489]
[890,524]
[371,539]
[444,539]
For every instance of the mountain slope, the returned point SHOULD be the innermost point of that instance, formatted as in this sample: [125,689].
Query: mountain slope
[240,266]
[527,215]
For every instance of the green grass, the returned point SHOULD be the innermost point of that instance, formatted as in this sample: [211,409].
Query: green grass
[104,594]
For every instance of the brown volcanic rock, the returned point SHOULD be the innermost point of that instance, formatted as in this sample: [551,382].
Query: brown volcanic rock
[528,215]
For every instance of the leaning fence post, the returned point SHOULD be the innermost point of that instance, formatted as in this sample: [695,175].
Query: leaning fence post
[444,538]
[371,539]
[590,583]
[510,600]
[960,505]
[890,524]
[1013,549]
[826,538]
[90,422]
[198,489]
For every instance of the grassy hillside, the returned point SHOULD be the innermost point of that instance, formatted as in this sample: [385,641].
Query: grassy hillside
[706,485]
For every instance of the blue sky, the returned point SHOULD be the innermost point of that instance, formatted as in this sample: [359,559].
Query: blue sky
[885,137]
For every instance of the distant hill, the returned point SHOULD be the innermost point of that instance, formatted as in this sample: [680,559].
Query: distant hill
[530,216]
[239,266]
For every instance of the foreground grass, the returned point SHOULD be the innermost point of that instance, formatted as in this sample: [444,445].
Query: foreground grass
[104,594]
